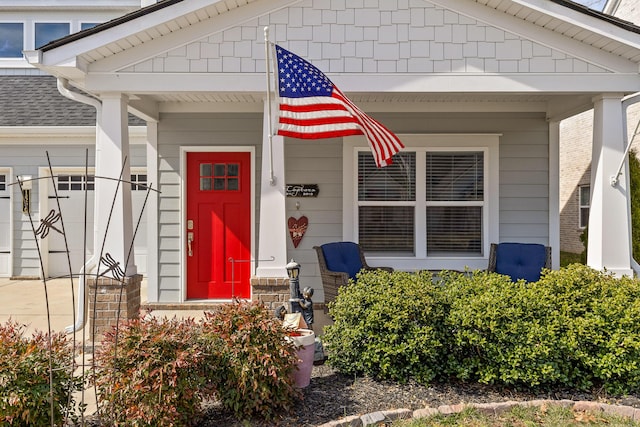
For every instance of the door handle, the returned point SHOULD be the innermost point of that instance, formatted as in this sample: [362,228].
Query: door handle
[189,241]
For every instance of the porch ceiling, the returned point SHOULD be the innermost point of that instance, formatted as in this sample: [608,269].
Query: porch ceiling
[554,106]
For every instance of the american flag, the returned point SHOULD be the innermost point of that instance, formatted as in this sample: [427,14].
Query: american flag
[312,107]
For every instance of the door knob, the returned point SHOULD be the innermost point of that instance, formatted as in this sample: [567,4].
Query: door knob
[189,241]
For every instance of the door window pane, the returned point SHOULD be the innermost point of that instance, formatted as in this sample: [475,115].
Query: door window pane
[48,31]
[11,39]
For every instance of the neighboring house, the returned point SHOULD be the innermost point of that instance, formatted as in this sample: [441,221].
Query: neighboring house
[476,90]
[36,120]
[575,153]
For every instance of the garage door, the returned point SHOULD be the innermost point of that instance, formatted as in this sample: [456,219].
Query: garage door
[5,225]
[71,194]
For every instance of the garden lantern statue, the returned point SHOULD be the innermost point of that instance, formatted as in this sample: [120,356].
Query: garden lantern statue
[293,270]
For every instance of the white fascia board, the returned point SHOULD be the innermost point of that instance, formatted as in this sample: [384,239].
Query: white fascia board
[150,83]
[541,35]
[185,36]
[598,26]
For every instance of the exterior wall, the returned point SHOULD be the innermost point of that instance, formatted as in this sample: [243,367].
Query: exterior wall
[26,160]
[175,130]
[404,37]
[524,179]
[575,169]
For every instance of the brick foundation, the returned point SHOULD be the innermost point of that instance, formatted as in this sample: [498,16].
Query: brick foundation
[106,295]
[273,292]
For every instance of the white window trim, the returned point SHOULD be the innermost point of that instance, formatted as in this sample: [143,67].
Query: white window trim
[421,143]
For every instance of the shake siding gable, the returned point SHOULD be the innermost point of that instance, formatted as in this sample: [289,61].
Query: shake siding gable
[371,43]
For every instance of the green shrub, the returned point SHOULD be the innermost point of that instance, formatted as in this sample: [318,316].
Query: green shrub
[504,332]
[388,326]
[602,332]
[252,370]
[25,393]
[150,373]
[576,327]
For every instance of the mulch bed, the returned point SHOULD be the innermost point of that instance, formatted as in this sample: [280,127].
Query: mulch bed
[331,396]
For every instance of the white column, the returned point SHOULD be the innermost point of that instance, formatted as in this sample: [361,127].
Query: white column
[113,214]
[609,243]
[272,232]
[151,211]
[554,192]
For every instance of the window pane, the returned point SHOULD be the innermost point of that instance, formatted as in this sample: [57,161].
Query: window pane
[455,176]
[454,229]
[205,169]
[584,217]
[232,169]
[396,182]
[233,184]
[85,25]
[218,183]
[387,229]
[585,195]
[11,39]
[219,169]
[48,31]
[205,184]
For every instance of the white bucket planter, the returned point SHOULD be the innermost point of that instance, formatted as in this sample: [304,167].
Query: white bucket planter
[306,349]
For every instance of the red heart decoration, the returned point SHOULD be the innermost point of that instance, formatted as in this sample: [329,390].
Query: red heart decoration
[297,228]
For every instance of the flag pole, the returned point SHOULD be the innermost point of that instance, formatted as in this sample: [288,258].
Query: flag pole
[272,179]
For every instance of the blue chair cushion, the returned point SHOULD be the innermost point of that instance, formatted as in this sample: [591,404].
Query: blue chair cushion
[343,256]
[521,260]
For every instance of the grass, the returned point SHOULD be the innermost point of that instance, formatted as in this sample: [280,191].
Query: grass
[519,416]
[567,258]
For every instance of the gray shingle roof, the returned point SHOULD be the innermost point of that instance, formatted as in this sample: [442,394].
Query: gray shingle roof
[35,101]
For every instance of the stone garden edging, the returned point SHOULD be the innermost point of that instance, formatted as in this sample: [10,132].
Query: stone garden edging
[374,418]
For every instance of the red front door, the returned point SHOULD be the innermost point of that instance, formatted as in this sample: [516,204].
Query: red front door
[218,227]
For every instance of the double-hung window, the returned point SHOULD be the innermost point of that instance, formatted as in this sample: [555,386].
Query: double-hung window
[584,196]
[435,206]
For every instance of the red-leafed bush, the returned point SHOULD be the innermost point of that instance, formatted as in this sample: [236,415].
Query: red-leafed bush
[255,360]
[150,373]
[27,368]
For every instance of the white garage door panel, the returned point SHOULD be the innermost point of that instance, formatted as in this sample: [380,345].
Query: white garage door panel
[5,226]
[71,193]
[71,198]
